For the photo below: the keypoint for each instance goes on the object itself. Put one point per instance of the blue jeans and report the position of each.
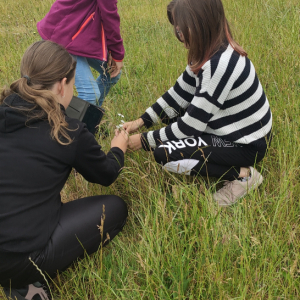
(89, 89)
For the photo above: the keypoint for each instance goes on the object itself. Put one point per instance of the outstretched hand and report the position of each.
(120, 140)
(133, 126)
(135, 142)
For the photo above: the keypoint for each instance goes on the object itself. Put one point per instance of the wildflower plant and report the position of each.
(122, 121)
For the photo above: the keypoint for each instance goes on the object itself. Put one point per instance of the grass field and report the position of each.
(178, 244)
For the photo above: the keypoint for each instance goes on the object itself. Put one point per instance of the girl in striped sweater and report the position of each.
(217, 115)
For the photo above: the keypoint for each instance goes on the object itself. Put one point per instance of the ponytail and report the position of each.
(43, 64)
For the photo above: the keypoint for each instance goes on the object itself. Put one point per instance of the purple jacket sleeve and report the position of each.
(111, 25)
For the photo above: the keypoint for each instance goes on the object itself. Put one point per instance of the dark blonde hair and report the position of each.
(43, 64)
(204, 27)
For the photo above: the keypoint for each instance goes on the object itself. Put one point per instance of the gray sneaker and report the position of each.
(34, 291)
(232, 191)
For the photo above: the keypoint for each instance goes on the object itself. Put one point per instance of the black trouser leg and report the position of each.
(76, 232)
(207, 155)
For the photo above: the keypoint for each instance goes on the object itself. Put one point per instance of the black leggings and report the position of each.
(76, 233)
(208, 155)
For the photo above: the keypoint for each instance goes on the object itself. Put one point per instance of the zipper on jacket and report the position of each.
(104, 50)
(83, 25)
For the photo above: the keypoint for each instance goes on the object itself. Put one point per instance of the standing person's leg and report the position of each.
(212, 156)
(77, 233)
(85, 83)
(104, 81)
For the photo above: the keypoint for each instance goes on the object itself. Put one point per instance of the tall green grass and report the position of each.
(178, 244)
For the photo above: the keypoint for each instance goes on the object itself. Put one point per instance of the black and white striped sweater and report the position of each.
(225, 99)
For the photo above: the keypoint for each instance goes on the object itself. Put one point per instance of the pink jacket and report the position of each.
(88, 28)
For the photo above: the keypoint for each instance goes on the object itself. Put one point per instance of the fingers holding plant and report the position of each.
(123, 141)
(124, 129)
(133, 126)
(135, 142)
(120, 140)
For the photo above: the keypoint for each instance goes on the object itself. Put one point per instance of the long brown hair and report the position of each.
(43, 64)
(204, 27)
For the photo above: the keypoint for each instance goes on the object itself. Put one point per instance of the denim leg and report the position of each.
(104, 81)
(85, 82)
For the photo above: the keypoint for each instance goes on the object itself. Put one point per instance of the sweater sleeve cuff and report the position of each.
(117, 60)
(117, 56)
(147, 120)
(118, 155)
(145, 143)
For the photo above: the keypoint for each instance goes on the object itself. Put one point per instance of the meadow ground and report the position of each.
(178, 244)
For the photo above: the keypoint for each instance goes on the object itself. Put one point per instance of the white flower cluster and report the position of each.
(122, 121)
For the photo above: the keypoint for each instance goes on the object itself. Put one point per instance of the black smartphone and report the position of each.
(85, 112)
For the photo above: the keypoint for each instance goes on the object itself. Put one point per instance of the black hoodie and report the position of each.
(34, 169)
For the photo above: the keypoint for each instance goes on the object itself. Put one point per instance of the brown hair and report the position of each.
(43, 64)
(169, 11)
(204, 27)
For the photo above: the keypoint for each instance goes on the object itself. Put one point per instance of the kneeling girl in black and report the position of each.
(39, 146)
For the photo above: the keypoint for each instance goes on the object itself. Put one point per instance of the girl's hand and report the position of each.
(115, 68)
(135, 142)
(120, 140)
(133, 126)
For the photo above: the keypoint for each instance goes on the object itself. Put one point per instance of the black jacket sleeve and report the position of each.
(93, 164)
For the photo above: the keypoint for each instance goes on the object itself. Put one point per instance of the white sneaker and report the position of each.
(232, 191)
(35, 291)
